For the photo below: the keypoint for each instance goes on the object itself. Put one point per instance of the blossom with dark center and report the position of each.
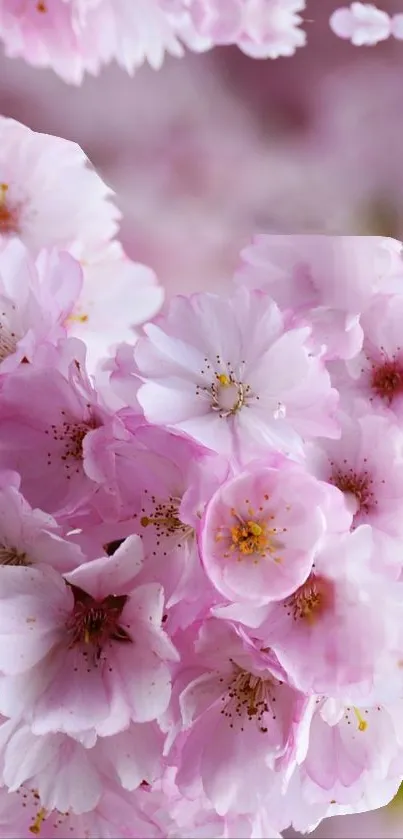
(95, 622)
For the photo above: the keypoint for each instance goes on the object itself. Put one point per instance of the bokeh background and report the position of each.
(216, 147)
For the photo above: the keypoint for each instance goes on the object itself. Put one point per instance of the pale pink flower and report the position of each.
(231, 375)
(71, 775)
(361, 23)
(22, 815)
(117, 295)
(375, 375)
(91, 654)
(271, 28)
(31, 537)
(366, 464)
(49, 196)
(33, 296)
(352, 752)
(239, 718)
(137, 32)
(47, 421)
(326, 280)
(261, 532)
(330, 635)
(165, 482)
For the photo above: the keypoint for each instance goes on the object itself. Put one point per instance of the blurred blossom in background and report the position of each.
(218, 146)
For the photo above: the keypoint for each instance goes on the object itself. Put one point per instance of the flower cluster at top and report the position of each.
(75, 37)
(201, 531)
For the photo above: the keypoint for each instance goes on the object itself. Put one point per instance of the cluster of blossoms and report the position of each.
(201, 621)
(75, 37)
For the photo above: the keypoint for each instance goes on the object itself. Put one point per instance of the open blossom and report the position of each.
(239, 718)
(47, 422)
(72, 774)
(366, 465)
(33, 295)
(375, 374)
(93, 654)
(352, 749)
(31, 537)
(97, 315)
(22, 815)
(361, 23)
(328, 635)
(49, 196)
(165, 482)
(232, 376)
(329, 280)
(261, 532)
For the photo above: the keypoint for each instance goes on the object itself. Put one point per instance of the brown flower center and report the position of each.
(387, 380)
(95, 622)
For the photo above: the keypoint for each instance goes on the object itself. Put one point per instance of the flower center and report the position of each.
(8, 215)
(165, 519)
(70, 434)
(253, 536)
(95, 622)
(387, 380)
(357, 485)
(227, 394)
(10, 556)
(309, 601)
(249, 698)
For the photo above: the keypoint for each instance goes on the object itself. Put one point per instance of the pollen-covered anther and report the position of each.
(252, 537)
(362, 724)
(310, 601)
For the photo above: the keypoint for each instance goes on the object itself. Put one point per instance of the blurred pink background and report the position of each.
(216, 147)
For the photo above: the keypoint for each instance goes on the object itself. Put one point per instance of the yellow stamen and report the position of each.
(223, 380)
(75, 318)
(362, 724)
(87, 636)
(37, 823)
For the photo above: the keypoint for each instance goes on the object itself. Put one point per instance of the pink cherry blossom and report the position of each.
(71, 775)
(261, 532)
(238, 718)
(328, 280)
(30, 537)
(327, 635)
(49, 196)
(375, 375)
(232, 376)
(32, 294)
(349, 748)
(52, 417)
(92, 654)
(366, 465)
(98, 317)
(361, 23)
(48, 33)
(22, 815)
